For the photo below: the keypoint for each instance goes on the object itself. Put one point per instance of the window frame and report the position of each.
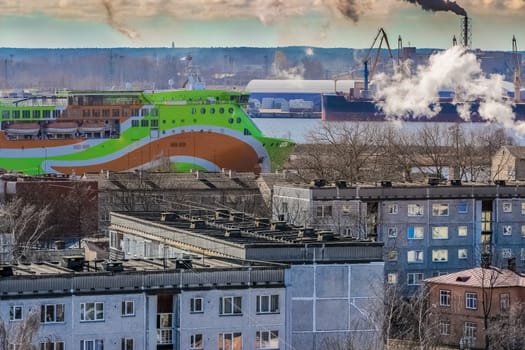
(392, 232)
(440, 209)
(444, 327)
(506, 230)
(415, 209)
(232, 335)
(96, 344)
(471, 300)
(391, 278)
(445, 296)
(54, 307)
(462, 256)
(125, 310)
(15, 310)
(57, 345)
(194, 342)
(267, 304)
(85, 311)
(392, 209)
(436, 255)
(506, 206)
(439, 232)
(462, 207)
(235, 310)
(416, 281)
(415, 232)
(271, 337)
(462, 231)
(125, 343)
(418, 256)
(194, 302)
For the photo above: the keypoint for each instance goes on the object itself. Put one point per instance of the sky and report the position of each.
(257, 23)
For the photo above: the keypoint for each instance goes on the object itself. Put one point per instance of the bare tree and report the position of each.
(20, 333)
(27, 223)
(507, 330)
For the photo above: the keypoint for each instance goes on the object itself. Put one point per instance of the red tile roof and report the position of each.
(481, 277)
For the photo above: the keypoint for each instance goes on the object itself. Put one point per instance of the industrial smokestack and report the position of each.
(440, 5)
(466, 32)
(454, 41)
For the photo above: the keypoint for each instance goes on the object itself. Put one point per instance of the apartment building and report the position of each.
(427, 229)
(332, 283)
(467, 303)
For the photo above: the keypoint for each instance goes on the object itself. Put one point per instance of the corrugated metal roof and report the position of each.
(481, 277)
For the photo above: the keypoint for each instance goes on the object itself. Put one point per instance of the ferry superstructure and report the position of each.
(90, 131)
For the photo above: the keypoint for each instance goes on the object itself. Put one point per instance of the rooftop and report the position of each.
(482, 278)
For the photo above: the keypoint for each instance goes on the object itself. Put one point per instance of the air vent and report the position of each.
(75, 263)
(232, 232)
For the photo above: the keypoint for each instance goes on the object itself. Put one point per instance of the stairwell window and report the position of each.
(507, 206)
(230, 306)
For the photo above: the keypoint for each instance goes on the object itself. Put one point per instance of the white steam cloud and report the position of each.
(455, 69)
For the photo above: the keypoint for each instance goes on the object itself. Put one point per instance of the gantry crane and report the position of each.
(368, 75)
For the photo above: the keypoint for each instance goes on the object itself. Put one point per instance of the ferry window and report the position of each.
(238, 120)
(46, 114)
(26, 114)
(86, 113)
(125, 112)
(163, 121)
(115, 113)
(5, 114)
(154, 123)
(145, 112)
(16, 114)
(56, 113)
(96, 113)
(36, 114)
(135, 112)
(221, 110)
(247, 132)
(144, 122)
(212, 110)
(134, 123)
(230, 121)
(105, 113)
(230, 110)
(203, 110)
(193, 110)
(154, 112)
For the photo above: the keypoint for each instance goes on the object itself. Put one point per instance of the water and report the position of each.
(297, 129)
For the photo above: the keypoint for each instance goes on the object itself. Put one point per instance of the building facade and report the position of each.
(427, 230)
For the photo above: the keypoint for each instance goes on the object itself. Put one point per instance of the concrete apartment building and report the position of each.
(331, 282)
(427, 229)
(202, 280)
(461, 303)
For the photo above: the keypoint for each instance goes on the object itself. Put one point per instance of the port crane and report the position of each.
(381, 35)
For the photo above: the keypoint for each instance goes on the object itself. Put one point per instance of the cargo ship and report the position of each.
(343, 107)
(69, 132)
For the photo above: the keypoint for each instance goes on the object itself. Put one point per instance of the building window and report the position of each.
(523, 231)
(164, 328)
(126, 344)
(230, 306)
(415, 232)
(392, 209)
(392, 278)
(507, 206)
(51, 345)
(230, 341)
(444, 327)
(267, 304)
(506, 253)
(91, 311)
(522, 208)
(15, 313)
(51, 313)
(392, 255)
(128, 308)
(267, 339)
(414, 279)
(196, 342)
(504, 302)
(415, 210)
(471, 301)
(462, 231)
(444, 297)
(92, 344)
(440, 232)
(507, 230)
(415, 256)
(439, 209)
(134, 123)
(439, 255)
(522, 255)
(462, 207)
(322, 211)
(462, 253)
(392, 232)
(470, 330)
(196, 305)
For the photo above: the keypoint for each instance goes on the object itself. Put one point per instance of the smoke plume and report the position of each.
(440, 5)
(455, 69)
